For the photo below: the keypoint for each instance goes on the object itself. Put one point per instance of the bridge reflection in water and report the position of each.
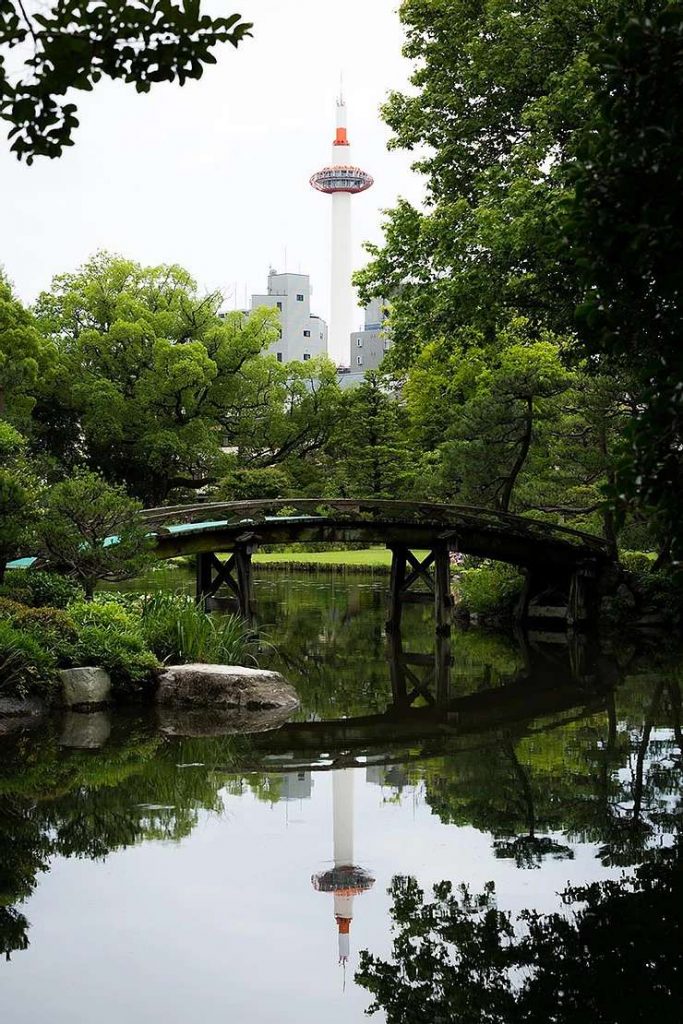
(563, 678)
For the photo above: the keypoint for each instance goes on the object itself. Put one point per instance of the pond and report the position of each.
(149, 877)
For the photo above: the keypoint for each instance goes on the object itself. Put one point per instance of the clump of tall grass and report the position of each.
(180, 631)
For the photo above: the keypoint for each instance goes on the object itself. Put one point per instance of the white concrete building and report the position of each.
(295, 785)
(369, 346)
(303, 335)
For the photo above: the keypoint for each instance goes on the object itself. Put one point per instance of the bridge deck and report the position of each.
(196, 529)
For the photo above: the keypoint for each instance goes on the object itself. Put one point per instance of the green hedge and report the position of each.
(40, 589)
(26, 667)
(492, 589)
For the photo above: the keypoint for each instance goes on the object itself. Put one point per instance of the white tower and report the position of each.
(345, 879)
(341, 180)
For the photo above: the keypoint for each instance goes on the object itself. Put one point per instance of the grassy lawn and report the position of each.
(371, 557)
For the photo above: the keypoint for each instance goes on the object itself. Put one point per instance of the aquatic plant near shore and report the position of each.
(178, 630)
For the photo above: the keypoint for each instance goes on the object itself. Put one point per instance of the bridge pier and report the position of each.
(583, 603)
(569, 599)
(419, 675)
(408, 572)
(235, 574)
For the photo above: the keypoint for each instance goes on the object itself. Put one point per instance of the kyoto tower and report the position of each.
(341, 180)
(345, 880)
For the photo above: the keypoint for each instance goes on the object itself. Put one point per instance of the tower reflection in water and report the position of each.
(345, 879)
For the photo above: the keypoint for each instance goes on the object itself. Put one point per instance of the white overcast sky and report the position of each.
(214, 176)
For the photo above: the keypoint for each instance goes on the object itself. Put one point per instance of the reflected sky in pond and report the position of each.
(160, 878)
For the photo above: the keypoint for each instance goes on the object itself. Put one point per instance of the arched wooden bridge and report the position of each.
(564, 568)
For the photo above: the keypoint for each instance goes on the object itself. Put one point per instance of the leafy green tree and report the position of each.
(506, 405)
(369, 447)
(499, 89)
(242, 484)
(91, 529)
(152, 383)
(625, 229)
(289, 412)
(24, 357)
(68, 44)
(500, 94)
(19, 490)
(507, 424)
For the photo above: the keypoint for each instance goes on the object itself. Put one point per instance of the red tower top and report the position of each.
(341, 175)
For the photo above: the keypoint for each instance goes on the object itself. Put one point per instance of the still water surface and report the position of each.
(148, 877)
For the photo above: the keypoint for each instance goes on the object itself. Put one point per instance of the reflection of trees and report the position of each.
(613, 780)
(24, 851)
(88, 804)
(527, 849)
(612, 958)
(330, 642)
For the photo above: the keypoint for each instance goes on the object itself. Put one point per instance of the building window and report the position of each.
(279, 306)
(387, 346)
(307, 334)
(299, 297)
(307, 356)
(279, 356)
(359, 360)
(359, 342)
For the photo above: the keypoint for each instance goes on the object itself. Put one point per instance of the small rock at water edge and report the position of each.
(85, 686)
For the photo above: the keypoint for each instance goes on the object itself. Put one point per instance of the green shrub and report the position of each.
(492, 589)
(179, 631)
(659, 593)
(637, 561)
(10, 608)
(25, 666)
(40, 589)
(111, 636)
(52, 628)
(252, 484)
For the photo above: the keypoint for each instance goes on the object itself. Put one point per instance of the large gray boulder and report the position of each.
(83, 687)
(222, 687)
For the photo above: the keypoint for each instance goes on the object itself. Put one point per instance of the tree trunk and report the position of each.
(506, 495)
(608, 525)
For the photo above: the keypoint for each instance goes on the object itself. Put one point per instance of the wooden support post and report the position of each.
(443, 601)
(235, 573)
(244, 580)
(522, 607)
(442, 670)
(203, 577)
(582, 604)
(399, 692)
(396, 584)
